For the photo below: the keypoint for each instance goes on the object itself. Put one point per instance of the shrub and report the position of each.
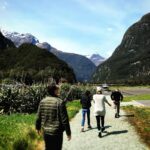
(25, 99)
(21, 144)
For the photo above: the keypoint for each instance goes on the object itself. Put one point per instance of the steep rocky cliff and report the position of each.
(130, 62)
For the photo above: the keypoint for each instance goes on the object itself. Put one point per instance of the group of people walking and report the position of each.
(52, 118)
(99, 101)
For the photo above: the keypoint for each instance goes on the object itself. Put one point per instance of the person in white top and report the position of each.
(99, 109)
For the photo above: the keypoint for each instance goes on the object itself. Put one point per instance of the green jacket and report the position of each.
(52, 116)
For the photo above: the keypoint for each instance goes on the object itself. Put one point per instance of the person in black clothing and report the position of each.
(52, 119)
(116, 96)
(86, 104)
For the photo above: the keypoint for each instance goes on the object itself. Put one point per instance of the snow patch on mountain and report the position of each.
(44, 45)
(96, 59)
(18, 39)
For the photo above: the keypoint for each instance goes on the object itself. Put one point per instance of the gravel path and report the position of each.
(120, 134)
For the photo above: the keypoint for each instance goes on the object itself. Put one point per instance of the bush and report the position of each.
(8, 81)
(32, 135)
(21, 144)
(21, 99)
(25, 99)
(71, 92)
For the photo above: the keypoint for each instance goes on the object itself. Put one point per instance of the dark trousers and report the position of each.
(100, 119)
(53, 142)
(84, 112)
(117, 104)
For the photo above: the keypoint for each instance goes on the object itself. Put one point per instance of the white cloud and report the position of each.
(109, 29)
(4, 5)
(84, 28)
(108, 9)
(66, 45)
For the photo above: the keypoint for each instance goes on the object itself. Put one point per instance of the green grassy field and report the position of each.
(128, 87)
(73, 108)
(141, 121)
(17, 131)
(137, 97)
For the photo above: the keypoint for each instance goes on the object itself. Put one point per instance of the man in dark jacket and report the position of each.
(116, 96)
(52, 120)
(86, 104)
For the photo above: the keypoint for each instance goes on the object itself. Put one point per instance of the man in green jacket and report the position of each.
(52, 119)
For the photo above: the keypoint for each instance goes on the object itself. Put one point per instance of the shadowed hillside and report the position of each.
(130, 62)
(29, 60)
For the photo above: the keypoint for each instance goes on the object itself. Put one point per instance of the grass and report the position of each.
(73, 108)
(137, 97)
(128, 87)
(141, 121)
(17, 130)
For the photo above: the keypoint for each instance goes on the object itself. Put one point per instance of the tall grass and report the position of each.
(141, 121)
(17, 130)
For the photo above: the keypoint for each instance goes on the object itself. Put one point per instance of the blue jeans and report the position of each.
(84, 112)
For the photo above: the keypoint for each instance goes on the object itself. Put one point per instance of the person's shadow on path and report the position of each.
(108, 126)
(114, 132)
(131, 115)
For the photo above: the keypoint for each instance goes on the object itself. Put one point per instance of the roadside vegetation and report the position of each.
(25, 99)
(125, 87)
(17, 131)
(18, 107)
(141, 121)
(137, 97)
(73, 108)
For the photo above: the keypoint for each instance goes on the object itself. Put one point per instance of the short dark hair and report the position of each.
(87, 93)
(51, 90)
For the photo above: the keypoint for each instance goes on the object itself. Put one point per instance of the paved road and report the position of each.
(120, 135)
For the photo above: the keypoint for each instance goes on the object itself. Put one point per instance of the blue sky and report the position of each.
(78, 26)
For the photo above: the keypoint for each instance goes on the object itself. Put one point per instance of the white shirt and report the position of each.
(99, 104)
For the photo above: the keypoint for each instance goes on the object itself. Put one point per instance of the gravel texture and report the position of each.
(119, 134)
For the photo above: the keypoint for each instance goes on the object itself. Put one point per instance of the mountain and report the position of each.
(96, 59)
(81, 65)
(30, 60)
(19, 39)
(5, 43)
(130, 62)
(44, 45)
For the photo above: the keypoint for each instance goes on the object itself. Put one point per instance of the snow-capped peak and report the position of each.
(18, 39)
(96, 59)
